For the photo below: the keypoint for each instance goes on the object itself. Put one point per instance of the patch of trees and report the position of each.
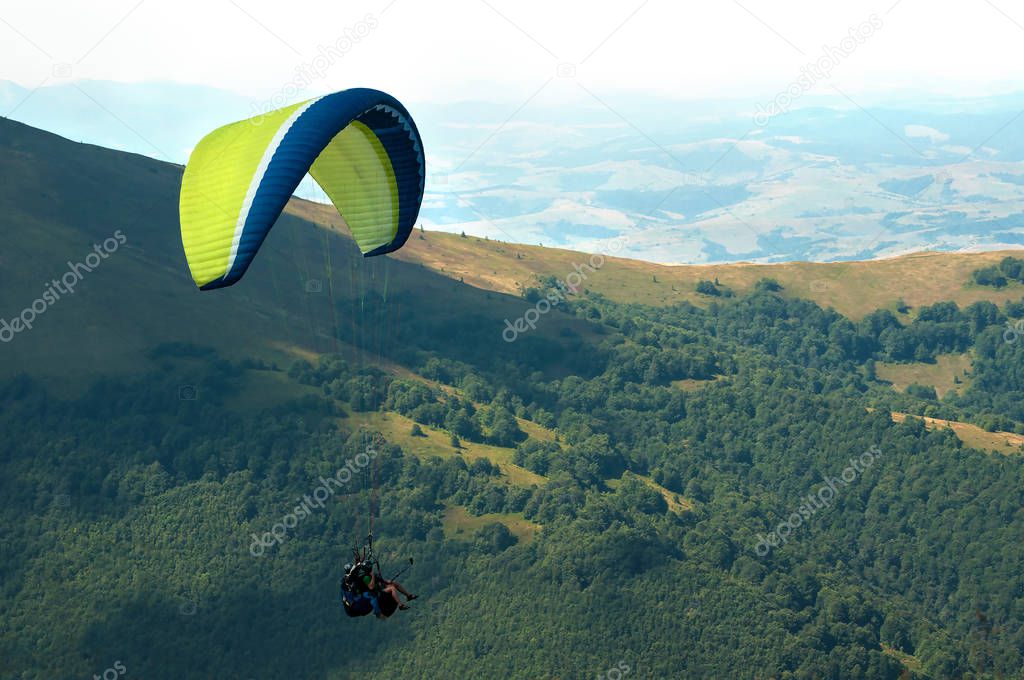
(998, 276)
(713, 288)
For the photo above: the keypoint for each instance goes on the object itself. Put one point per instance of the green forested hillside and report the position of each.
(151, 431)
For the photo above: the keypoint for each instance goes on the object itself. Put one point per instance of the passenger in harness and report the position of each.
(357, 595)
(364, 590)
(387, 600)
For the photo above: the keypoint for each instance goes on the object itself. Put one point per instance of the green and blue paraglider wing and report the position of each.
(360, 145)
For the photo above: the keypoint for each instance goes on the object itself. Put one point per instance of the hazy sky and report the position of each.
(431, 50)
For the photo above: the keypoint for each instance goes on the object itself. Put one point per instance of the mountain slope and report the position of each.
(271, 313)
(597, 491)
(852, 288)
(307, 289)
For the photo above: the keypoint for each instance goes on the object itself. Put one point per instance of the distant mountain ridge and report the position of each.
(679, 182)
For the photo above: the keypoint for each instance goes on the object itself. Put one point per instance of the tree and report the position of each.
(989, 276)
(1012, 267)
(707, 288)
(922, 391)
(500, 426)
(494, 538)
(768, 285)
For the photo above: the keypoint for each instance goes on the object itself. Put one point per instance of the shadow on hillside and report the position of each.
(252, 630)
(386, 307)
(307, 290)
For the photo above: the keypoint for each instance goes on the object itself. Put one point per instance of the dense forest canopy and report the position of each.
(130, 510)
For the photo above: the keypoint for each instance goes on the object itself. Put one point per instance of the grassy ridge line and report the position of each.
(852, 288)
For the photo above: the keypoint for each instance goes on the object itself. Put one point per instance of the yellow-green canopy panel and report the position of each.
(360, 145)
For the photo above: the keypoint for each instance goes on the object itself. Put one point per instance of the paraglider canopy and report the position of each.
(360, 145)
